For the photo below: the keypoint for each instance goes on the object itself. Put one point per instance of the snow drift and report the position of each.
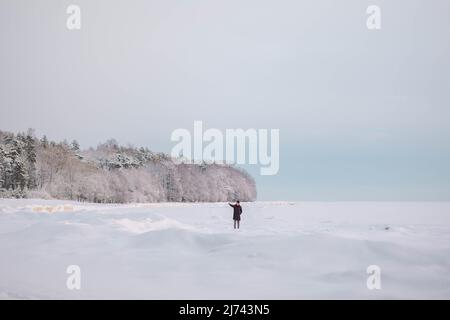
(190, 251)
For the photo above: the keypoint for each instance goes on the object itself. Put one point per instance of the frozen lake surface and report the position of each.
(284, 250)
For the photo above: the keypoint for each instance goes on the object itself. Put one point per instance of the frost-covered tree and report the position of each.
(30, 153)
(112, 173)
(18, 159)
(20, 175)
(2, 169)
(75, 146)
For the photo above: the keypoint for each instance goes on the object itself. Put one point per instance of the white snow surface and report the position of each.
(284, 250)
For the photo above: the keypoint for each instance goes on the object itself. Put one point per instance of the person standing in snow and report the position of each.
(237, 211)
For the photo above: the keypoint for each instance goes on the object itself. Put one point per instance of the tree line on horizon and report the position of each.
(32, 167)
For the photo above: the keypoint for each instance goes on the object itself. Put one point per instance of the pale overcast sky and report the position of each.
(363, 115)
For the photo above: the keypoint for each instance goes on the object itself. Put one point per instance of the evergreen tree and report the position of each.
(6, 167)
(2, 168)
(20, 175)
(9, 139)
(30, 150)
(12, 152)
(75, 146)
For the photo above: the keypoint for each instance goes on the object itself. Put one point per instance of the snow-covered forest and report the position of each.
(32, 167)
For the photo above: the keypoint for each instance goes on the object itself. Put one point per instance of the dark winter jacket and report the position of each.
(237, 211)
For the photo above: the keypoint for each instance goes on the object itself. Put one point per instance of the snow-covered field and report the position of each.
(190, 251)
